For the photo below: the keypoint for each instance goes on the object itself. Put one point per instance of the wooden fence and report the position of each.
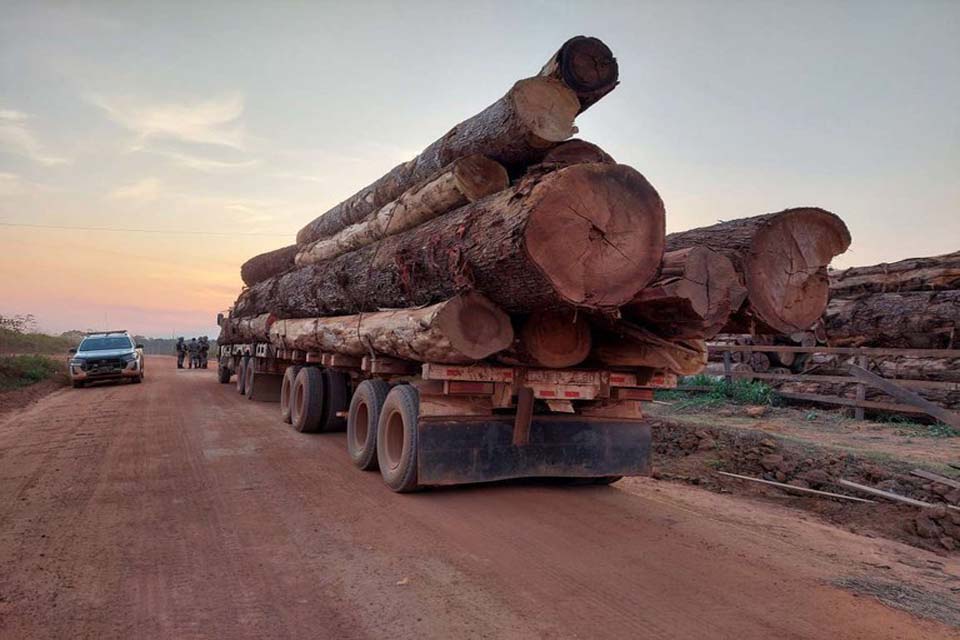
(908, 401)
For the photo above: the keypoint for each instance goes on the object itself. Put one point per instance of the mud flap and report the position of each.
(464, 450)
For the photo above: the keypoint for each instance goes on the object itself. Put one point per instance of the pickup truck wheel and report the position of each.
(286, 392)
(242, 374)
(138, 379)
(223, 375)
(365, 407)
(251, 377)
(397, 439)
(336, 399)
(306, 410)
(78, 384)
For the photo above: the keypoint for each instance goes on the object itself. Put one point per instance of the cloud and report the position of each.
(206, 165)
(9, 184)
(214, 121)
(145, 190)
(17, 137)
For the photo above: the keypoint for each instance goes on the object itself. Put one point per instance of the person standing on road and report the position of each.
(181, 352)
(194, 350)
(204, 351)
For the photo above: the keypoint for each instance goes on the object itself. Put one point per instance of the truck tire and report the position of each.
(365, 407)
(250, 373)
(223, 375)
(336, 399)
(397, 438)
(78, 384)
(242, 374)
(306, 410)
(286, 391)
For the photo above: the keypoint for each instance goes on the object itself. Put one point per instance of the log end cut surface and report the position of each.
(597, 234)
(587, 65)
(475, 326)
(557, 339)
(786, 271)
(479, 176)
(546, 107)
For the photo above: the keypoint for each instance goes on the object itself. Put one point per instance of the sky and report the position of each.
(201, 134)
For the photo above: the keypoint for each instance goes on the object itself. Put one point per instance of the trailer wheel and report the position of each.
(397, 438)
(306, 409)
(286, 392)
(242, 374)
(336, 399)
(223, 374)
(251, 375)
(362, 422)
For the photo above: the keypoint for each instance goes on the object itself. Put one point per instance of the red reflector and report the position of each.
(462, 387)
(548, 392)
(571, 394)
(453, 372)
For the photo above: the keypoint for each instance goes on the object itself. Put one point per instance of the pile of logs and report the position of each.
(914, 303)
(507, 241)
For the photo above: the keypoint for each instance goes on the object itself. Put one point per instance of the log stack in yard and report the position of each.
(510, 247)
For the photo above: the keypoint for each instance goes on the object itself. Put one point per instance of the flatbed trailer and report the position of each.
(427, 424)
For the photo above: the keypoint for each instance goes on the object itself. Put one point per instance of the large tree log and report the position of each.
(555, 339)
(935, 273)
(587, 236)
(462, 181)
(463, 329)
(905, 367)
(536, 114)
(269, 264)
(693, 296)
(248, 329)
(684, 358)
(587, 66)
(915, 319)
(782, 259)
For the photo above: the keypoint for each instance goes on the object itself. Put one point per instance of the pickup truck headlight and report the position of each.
(76, 363)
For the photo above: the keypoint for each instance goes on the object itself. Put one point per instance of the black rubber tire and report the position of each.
(362, 420)
(223, 375)
(250, 373)
(306, 411)
(397, 439)
(78, 384)
(336, 399)
(242, 375)
(138, 379)
(603, 480)
(286, 391)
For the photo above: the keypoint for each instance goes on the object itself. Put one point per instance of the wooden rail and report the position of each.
(899, 389)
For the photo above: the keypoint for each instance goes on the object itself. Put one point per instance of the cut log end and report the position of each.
(556, 339)
(478, 176)
(597, 234)
(587, 65)
(576, 151)
(790, 295)
(547, 108)
(475, 326)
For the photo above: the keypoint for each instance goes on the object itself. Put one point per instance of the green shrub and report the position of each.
(738, 391)
(20, 371)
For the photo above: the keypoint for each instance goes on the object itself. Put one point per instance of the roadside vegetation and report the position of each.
(708, 391)
(21, 371)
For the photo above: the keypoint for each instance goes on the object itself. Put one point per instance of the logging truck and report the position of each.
(427, 424)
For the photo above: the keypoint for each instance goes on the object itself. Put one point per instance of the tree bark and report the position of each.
(692, 298)
(935, 273)
(516, 130)
(463, 329)
(905, 367)
(269, 264)
(462, 181)
(234, 330)
(587, 66)
(915, 319)
(587, 236)
(781, 259)
(553, 339)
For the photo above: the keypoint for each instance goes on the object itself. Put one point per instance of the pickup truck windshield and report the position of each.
(104, 344)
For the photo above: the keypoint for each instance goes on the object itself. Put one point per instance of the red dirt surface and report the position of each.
(179, 509)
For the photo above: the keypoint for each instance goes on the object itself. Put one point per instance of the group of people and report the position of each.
(197, 351)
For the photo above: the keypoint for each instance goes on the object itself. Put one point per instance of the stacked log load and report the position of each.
(507, 241)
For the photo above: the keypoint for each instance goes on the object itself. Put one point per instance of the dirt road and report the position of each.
(179, 509)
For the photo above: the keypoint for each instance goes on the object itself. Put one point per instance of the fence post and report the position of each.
(727, 367)
(861, 388)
